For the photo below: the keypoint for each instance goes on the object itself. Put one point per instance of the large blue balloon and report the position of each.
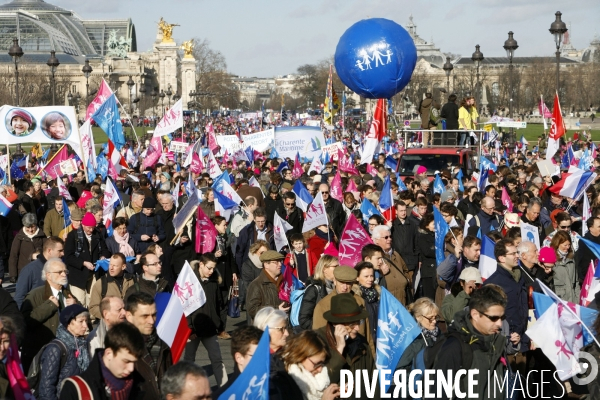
(375, 58)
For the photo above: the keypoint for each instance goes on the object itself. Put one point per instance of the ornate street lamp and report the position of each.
(130, 83)
(16, 52)
(53, 63)
(153, 95)
(448, 67)
(477, 58)
(87, 71)
(169, 94)
(162, 101)
(558, 28)
(510, 45)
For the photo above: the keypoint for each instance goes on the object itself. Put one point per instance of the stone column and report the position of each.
(167, 66)
(188, 79)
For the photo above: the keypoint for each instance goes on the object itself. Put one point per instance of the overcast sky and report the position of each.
(266, 38)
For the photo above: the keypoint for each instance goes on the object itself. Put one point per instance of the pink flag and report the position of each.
(351, 186)
(206, 234)
(345, 165)
(506, 200)
(330, 250)
(196, 167)
(335, 190)
(62, 189)
(51, 168)
(297, 171)
(354, 238)
(225, 157)
(287, 285)
(212, 140)
(371, 170)
(104, 92)
(544, 111)
(14, 370)
(258, 155)
(587, 285)
(153, 153)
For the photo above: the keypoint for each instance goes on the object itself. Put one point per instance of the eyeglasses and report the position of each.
(153, 264)
(280, 329)
(431, 319)
(324, 192)
(210, 269)
(316, 365)
(63, 272)
(373, 224)
(354, 323)
(512, 254)
(289, 204)
(386, 237)
(493, 318)
(564, 226)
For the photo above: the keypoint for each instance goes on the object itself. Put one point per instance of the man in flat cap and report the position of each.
(264, 290)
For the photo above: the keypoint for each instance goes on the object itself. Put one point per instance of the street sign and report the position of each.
(406, 122)
(512, 124)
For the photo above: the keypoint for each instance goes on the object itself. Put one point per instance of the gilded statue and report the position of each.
(188, 48)
(167, 30)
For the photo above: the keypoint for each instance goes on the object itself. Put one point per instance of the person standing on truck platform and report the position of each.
(450, 114)
(424, 109)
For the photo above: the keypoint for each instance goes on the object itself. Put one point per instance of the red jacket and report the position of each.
(310, 261)
(317, 247)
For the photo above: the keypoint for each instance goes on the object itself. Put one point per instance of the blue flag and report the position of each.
(108, 118)
(385, 200)
(325, 157)
(224, 201)
(401, 186)
(46, 154)
(300, 190)
(441, 229)
(250, 154)
(459, 176)
(3, 177)
(368, 210)
(394, 322)
(274, 154)
(391, 163)
(102, 166)
(483, 175)
(282, 166)
(91, 172)
(66, 213)
(438, 185)
(487, 164)
(15, 170)
(218, 182)
(253, 383)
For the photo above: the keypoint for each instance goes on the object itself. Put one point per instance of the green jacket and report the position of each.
(53, 223)
(453, 304)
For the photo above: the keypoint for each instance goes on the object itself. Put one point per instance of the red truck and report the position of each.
(436, 159)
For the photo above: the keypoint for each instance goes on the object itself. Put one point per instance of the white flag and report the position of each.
(189, 290)
(213, 167)
(587, 214)
(111, 197)
(230, 193)
(254, 183)
(547, 334)
(316, 215)
(316, 165)
(62, 189)
(87, 144)
(280, 227)
(172, 120)
(366, 157)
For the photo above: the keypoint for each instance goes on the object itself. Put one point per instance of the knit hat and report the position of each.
(71, 312)
(149, 202)
(21, 113)
(421, 170)
(547, 255)
(88, 219)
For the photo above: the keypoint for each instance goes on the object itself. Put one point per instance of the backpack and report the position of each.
(139, 219)
(426, 357)
(35, 369)
(434, 115)
(296, 300)
(83, 389)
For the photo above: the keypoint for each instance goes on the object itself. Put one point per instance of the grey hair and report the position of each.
(533, 201)
(525, 246)
(29, 219)
(168, 196)
(49, 263)
(250, 200)
(94, 208)
(424, 181)
(269, 316)
(173, 381)
(378, 231)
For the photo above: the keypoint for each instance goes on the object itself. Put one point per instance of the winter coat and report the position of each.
(250, 271)
(113, 247)
(261, 293)
(487, 351)
(153, 377)
(336, 216)
(449, 270)
(141, 224)
(317, 244)
(29, 278)
(411, 352)
(315, 291)
(204, 322)
(487, 223)
(151, 287)
(450, 114)
(96, 338)
(112, 289)
(517, 307)
(41, 318)
(209, 208)
(93, 377)
(248, 235)
(452, 304)
(425, 244)
(271, 205)
(397, 280)
(52, 375)
(78, 274)
(53, 223)
(167, 223)
(466, 206)
(565, 279)
(8, 308)
(309, 261)
(295, 219)
(225, 264)
(22, 249)
(403, 241)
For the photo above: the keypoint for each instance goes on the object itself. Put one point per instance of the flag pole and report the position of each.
(49, 161)
(8, 172)
(129, 119)
(85, 170)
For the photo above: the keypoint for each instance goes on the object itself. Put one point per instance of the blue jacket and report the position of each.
(487, 223)
(30, 278)
(140, 224)
(517, 308)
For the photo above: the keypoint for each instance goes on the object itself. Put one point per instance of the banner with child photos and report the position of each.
(55, 124)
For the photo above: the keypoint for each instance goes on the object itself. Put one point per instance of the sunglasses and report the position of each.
(564, 226)
(493, 318)
(324, 192)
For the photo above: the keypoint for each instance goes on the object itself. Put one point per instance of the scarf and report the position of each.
(31, 236)
(311, 386)
(255, 260)
(516, 274)
(124, 246)
(369, 294)
(76, 344)
(431, 335)
(152, 349)
(328, 286)
(119, 389)
(562, 254)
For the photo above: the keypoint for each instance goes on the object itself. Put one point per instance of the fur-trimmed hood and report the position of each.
(216, 276)
(356, 289)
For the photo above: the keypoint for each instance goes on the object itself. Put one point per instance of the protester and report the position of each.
(318, 286)
(185, 380)
(115, 283)
(425, 313)
(26, 246)
(112, 311)
(264, 290)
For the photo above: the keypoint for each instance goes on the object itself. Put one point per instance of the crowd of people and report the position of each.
(82, 327)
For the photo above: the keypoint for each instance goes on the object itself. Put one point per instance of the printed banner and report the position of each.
(260, 141)
(305, 140)
(56, 124)
(172, 120)
(186, 212)
(333, 149)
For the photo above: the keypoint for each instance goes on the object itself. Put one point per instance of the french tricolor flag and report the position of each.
(5, 206)
(187, 297)
(487, 260)
(573, 183)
